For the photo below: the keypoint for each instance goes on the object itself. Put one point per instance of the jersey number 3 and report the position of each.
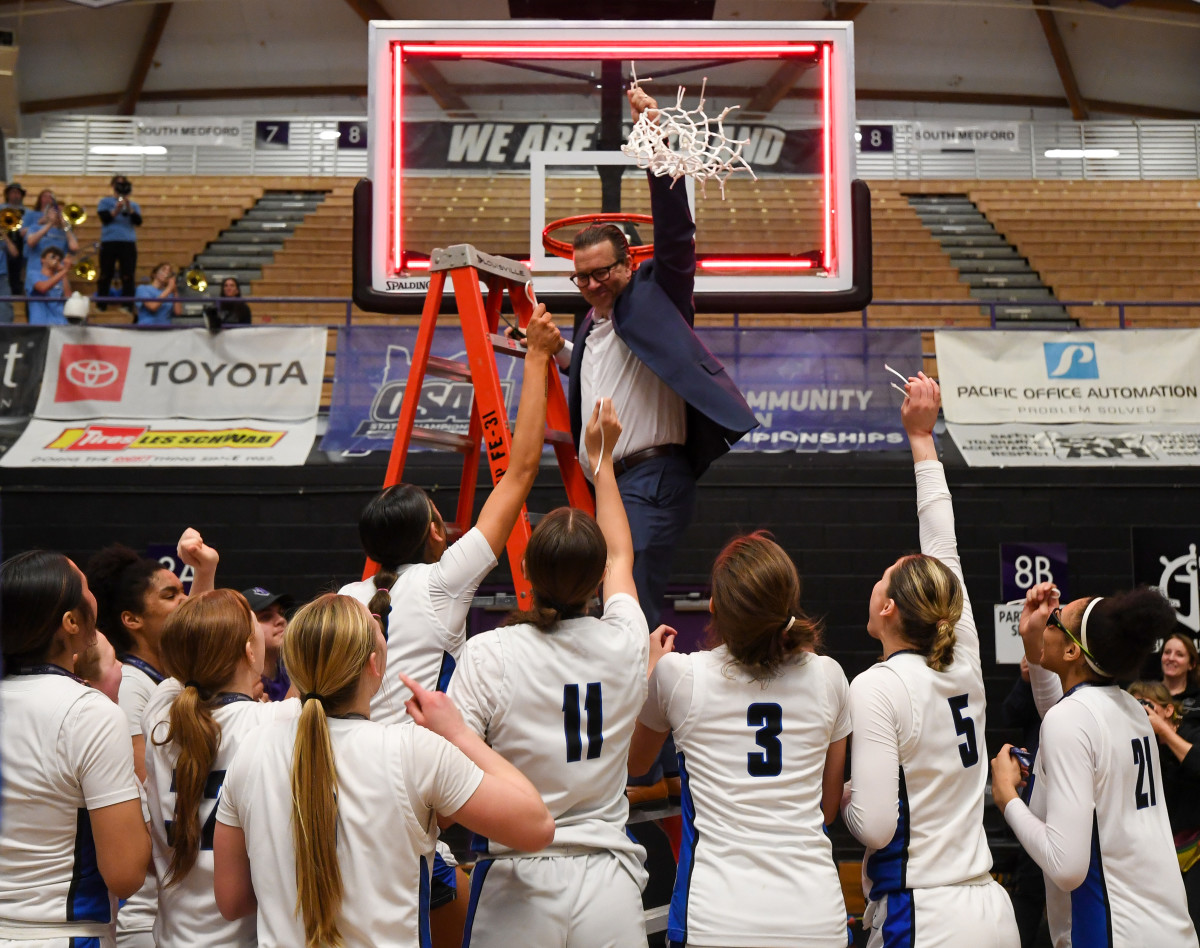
(593, 707)
(768, 718)
(968, 750)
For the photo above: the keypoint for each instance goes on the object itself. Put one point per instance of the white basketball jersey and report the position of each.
(427, 627)
(755, 866)
(187, 911)
(1097, 788)
(392, 781)
(918, 761)
(137, 687)
(65, 750)
(561, 706)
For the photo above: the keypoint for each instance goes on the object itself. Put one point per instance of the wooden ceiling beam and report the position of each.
(438, 89)
(1062, 62)
(145, 58)
(369, 10)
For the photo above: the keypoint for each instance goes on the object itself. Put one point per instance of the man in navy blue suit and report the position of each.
(679, 409)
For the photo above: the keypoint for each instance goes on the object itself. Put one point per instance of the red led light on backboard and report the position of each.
(683, 50)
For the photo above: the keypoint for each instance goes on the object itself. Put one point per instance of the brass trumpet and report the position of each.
(85, 270)
(11, 219)
(195, 280)
(73, 215)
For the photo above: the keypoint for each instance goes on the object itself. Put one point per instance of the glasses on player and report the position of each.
(600, 274)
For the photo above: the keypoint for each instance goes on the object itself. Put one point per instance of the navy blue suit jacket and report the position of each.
(654, 317)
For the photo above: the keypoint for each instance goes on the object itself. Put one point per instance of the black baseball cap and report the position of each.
(260, 599)
(14, 185)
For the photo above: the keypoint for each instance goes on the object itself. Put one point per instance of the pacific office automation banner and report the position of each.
(186, 398)
(1128, 397)
(812, 392)
(507, 145)
(22, 359)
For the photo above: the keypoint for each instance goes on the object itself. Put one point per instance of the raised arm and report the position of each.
(601, 435)
(674, 230)
(201, 557)
(503, 506)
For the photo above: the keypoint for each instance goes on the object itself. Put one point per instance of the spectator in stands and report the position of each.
(151, 308)
(1181, 670)
(10, 250)
(230, 310)
(270, 612)
(14, 200)
(119, 217)
(44, 227)
(46, 281)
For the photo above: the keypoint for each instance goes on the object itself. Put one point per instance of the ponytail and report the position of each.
(329, 642)
(203, 642)
(196, 733)
(930, 599)
(314, 782)
(381, 600)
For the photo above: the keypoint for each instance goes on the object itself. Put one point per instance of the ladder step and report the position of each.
(555, 436)
(448, 369)
(446, 440)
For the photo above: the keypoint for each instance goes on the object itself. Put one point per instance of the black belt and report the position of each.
(630, 461)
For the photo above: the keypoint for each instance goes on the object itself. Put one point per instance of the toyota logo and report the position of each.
(92, 373)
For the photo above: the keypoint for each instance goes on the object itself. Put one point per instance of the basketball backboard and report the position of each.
(486, 132)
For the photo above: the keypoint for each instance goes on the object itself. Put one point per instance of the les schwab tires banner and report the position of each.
(177, 398)
(1037, 399)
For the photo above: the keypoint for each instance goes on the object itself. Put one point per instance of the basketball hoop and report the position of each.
(560, 248)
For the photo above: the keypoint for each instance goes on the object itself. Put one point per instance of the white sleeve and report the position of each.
(235, 778)
(622, 610)
(478, 682)
(132, 695)
(453, 581)
(1047, 688)
(437, 775)
(878, 701)
(839, 689)
(669, 697)
(935, 514)
(97, 750)
(1062, 844)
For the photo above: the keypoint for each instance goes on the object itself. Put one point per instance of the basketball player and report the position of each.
(72, 838)
(431, 585)
(135, 595)
(326, 823)
(557, 692)
(760, 725)
(214, 649)
(918, 767)
(1096, 820)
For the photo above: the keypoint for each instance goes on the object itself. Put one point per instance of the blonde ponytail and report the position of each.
(929, 598)
(328, 643)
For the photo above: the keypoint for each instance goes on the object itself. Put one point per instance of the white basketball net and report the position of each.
(700, 151)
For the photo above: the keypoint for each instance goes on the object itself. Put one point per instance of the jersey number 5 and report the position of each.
(968, 750)
(593, 706)
(1145, 765)
(768, 718)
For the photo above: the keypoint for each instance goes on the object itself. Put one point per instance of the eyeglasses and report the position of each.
(600, 274)
(1055, 620)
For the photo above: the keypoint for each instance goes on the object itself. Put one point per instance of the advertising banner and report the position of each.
(821, 391)
(966, 136)
(1032, 399)
(507, 145)
(1145, 376)
(184, 397)
(22, 360)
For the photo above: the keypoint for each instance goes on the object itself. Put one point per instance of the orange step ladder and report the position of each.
(488, 428)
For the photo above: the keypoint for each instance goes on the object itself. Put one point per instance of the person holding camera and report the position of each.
(119, 216)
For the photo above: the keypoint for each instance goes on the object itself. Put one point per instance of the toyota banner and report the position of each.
(113, 397)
